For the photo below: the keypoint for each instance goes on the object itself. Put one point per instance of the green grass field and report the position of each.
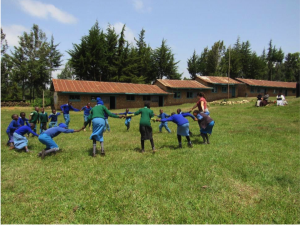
(249, 174)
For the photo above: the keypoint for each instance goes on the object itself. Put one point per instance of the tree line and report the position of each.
(271, 65)
(104, 55)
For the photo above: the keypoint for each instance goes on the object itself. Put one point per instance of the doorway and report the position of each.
(112, 102)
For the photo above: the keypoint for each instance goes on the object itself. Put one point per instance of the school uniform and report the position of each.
(127, 120)
(34, 119)
(163, 124)
(43, 121)
(66, 110)
(22, 121)
(53, 117)
(145, 125)
(181, 122)
(205, 123)
(20, 141)
(86, 112)
(13, 125)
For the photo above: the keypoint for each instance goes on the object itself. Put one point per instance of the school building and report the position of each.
(252, 87)
(115, 95)
(183, 91)
(219, 87)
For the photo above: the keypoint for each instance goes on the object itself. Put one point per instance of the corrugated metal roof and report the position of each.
(266, 83)
(218, 80)
(192, 84)
(79, 86)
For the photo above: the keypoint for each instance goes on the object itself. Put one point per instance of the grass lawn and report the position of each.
(249, 174)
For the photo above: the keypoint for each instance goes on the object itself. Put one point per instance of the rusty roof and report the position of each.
(79, 86)
(182, 84)
(266, 83)
(218, 80)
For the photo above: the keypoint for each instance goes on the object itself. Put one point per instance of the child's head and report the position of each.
(196, 112)
(31, 125)
(127, 110)
(22, 114)
(201, 94)
(147, 104)
(70, 103)
(88, 104)
(161, 111)
(53, 111)
(37, 109)
(42, 109)
(14, 117)
(178, 111)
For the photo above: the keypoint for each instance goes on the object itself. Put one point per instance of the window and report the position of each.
(224, 89)
(146, 98)
(214, 90)
(259, 90)
(176, 95)
(74, 98)
(252, 90)
(189, 95)
(130, 97)
(274, 91)
(293, 91)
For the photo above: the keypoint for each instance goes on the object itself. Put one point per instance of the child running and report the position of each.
(182, 126)
(128, 119)
(53, 117)
(86, 112)
(206, 125)
(43, 116)
(163, 115)
(65, 108)
(98, 120)
(34, 117)
(20, 141)
(47, 138)
(180, 112)
(145, 125)
(13, 125)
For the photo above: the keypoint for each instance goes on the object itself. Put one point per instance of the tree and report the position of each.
(292, 67)
(193, 67)
(67, 72)
(202, 62)
(214, 57)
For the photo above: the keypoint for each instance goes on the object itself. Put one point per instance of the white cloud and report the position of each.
(12, 34)
(141, 6)
(129, 34)
(42, 10)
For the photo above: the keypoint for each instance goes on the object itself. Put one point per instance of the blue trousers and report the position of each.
(164, 124)
(48, 141)
(107, 125)
(52, 124)
(67, 119)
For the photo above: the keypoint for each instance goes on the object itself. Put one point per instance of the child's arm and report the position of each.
(74, 109)
(188, 115)
(30, 131)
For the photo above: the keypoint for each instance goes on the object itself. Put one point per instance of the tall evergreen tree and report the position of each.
(292, 67)
(193, 67)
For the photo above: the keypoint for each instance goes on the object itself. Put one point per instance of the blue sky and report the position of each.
(187, 25)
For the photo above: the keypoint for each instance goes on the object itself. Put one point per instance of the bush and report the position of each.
(39, 102)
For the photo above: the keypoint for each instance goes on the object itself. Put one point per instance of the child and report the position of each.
(86, 113)
(128, 119)
(206, 125)
(65, 108)
(34, 117)
(22, 120)
(47, 138)
(163, 115)
(145, 125)
(180, 112)
(182, 126)
(107, 127)
(43, 116)
(53, 116)
(20, 141)
(13, 125)
(98, 120)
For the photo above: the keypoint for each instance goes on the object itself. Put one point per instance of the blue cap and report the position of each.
(62, 125)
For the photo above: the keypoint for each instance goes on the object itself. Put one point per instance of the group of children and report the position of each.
(98, 117)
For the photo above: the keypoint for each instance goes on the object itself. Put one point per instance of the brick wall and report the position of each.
(246, 91)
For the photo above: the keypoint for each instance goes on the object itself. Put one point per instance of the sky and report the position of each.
(187, 25)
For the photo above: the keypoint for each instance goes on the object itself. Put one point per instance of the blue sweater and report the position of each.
(178, 119)
(22, 122)
(66, 108)
(125, 113)
(25, 129)
(86, 110)
(54, 116)
(163, 115)
(55, 131)
(13, 125)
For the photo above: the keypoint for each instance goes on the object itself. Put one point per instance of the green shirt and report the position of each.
(146, 115)
(98, 112)
(34, 117)
(43, 117)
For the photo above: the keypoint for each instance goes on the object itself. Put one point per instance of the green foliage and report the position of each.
(248, 174)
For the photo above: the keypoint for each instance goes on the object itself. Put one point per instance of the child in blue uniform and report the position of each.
(180, 112)
(53, 117)
(65, 108)
(22, 120)
(206, 124)
(47, 138)
(86, 113)
(127, 120)
(20, 141)
(182, 126)
(13, 125)
(163, 115)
